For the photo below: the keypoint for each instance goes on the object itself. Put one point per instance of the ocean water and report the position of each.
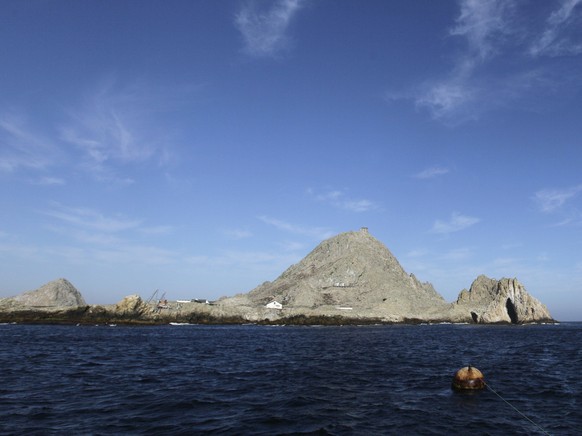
(289, 380)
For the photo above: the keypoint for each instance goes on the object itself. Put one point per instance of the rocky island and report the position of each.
(351, 278)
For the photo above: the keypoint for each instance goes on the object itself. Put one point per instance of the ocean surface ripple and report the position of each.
(289, 380)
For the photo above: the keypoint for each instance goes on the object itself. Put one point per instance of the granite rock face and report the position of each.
(352, 274)
(58, 293)
(131, 305)
(500, 301)
(351, 278)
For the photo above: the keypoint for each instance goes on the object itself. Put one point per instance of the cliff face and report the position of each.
(500, 301)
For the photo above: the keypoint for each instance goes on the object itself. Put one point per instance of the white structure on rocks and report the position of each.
(274, 305)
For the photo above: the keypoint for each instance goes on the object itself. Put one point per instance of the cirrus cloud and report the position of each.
(457, 223)
(481, 78)
(432, 172)
(265, 32)
(340, 200)
(555, 41)
(550, 200)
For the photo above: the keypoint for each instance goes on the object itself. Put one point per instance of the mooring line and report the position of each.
(517, 410)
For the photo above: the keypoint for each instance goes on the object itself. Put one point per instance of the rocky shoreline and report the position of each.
(350, 279)
(132, 310)
(92, 315)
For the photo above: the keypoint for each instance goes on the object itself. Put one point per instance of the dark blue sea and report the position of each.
(239, 380)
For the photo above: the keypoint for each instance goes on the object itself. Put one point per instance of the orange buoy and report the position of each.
(468, 379)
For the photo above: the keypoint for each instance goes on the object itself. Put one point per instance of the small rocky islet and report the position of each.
(351, 278)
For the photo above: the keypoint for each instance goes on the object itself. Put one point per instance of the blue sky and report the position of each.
(202, 147)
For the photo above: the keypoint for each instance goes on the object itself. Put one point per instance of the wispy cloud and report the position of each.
(454, 254)
(112, 127)
(255, 261)
(22, 147)
(265, 31)
(103, 134)
(419, 252)
(444, 98)
(340, 200)
(88, 237)
(91, 219)
(550, 200)
(315, 232)
(49, 181)
(481, 79)
(457, 223)
(555, 40)
(432, 172)
(457, 254)
(483, 25)
(292, 246)
(107, 239)
(237, 233)
(511, 245)
(156, 230)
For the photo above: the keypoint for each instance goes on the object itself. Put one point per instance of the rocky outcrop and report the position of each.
(352, 275)
(500, 301)
(132, 305)
(351, 278)
(56, 294)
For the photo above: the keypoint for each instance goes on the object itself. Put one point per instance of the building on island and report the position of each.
(274, 305)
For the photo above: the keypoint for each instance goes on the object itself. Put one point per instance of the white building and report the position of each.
(274, 305)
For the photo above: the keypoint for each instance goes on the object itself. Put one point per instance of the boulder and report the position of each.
(131, 305)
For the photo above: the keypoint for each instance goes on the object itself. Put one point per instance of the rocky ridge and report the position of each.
(56, 294)
(352, 274)
(350, 278)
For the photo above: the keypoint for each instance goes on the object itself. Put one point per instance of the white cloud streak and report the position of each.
(50, 181)
(432, 172)
(96, 237)
(237, 233)
(111, 128)
(457, 254)
(480, 78)
(319, 233)
(553, 42)
(445, 98)
(483, 23)
(90, 219)
(550, 200)
(22, 148)
(265, 32)
(102, 136)
(263, 264)
(457, 223)
(339, 200)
